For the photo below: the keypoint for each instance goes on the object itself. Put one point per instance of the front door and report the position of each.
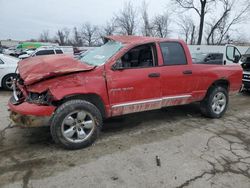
(136, 86)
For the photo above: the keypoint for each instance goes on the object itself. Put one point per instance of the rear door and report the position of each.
(176, 75)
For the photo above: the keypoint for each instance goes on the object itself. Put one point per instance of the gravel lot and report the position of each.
(193, 151)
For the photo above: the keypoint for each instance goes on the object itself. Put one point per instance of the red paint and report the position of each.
(42, 67)
(122, 86)
(32, 109)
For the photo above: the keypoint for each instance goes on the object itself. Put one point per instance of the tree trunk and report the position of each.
(202, 16)
(192, 35)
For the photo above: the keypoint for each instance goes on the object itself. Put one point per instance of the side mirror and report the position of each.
(118, 65)
(236, 59)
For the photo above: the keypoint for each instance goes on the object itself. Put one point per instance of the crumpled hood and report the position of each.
(39, 68)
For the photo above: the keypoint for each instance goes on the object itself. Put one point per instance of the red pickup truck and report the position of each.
(128, 74)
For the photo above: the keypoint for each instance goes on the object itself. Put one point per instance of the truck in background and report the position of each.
(209, 50)
(245, 63)
(34, 45)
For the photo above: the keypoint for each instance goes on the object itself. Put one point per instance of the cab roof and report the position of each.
(137, 39)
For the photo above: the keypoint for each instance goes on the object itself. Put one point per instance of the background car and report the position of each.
(245, 63)
(42, 51)
(27, 53)
(10, 51)
(8, 66)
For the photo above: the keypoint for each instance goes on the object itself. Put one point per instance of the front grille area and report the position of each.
(246, 77)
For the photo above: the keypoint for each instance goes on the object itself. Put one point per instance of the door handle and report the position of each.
(188, 72)
(154, 75)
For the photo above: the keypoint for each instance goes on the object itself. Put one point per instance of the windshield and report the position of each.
(100, 55)
(247, 52)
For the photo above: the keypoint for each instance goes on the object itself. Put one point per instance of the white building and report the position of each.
(9, 43)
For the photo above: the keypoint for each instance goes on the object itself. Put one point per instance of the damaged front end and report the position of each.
(29, 109)
(33, 101)
(26, 121)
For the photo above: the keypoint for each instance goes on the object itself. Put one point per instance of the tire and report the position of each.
(66, 128)
(6, 81)
(215, 103)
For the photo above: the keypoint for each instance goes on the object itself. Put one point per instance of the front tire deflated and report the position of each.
(76, 124)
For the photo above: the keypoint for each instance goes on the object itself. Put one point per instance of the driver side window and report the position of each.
(140, 57)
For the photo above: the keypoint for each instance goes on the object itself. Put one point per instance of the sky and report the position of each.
(27, 19)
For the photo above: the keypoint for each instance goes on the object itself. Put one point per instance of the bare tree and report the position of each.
(187, 29)
(77, 41)
(62, 36)
(109, 28)
(44, 37)
(147, 28)
(241, 39)
(126, 19)
(201, 7)
(218, 29)
(66, 34)
(89, 34)
(161, 25)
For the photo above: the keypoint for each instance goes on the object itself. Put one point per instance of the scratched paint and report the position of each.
(145, 106)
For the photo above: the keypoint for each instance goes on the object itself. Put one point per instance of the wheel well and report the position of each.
(92, 98)
(223, 83)
(6, 76)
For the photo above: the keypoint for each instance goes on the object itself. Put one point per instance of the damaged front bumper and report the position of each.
(30, 115)
(27, 121)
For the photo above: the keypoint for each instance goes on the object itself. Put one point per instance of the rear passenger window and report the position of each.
(59, 52)
(173, 53)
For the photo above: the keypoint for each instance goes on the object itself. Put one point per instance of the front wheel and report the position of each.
(216, 102)
(76, 124)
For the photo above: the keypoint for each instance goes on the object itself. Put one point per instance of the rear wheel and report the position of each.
(7, 81)
(216, 102)
(76, 124)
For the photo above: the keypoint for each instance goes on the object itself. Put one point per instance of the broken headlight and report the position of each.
(44, 98)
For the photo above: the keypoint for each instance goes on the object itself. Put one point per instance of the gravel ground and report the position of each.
(194, 151)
